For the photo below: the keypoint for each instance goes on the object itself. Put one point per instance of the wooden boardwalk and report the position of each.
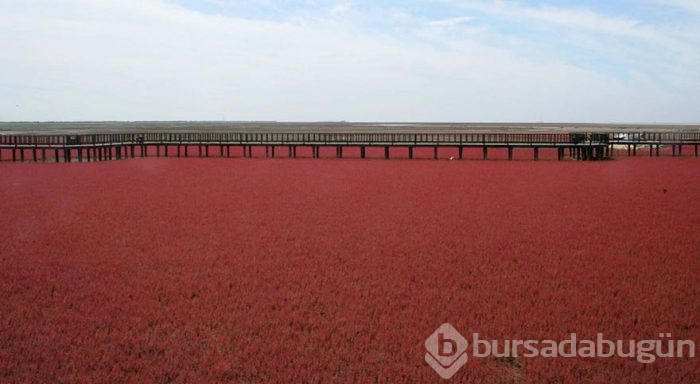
(115, 146)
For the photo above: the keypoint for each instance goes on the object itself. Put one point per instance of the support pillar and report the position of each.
(461, 152)
(510, 153)
(486, 152)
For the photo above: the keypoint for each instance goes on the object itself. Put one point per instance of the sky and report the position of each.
(622, 61)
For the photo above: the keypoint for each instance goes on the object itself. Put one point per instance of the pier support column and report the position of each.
(228, 151)
(34, 154)
(696, 150)
(157, 150)
(658, 149)
(673, 150)
(435, 153)
(186, 151)
(386, 152)
(362, 152)
(267, 151)
(560, 153)
(340, 151)
(21, 154)
(510, 153)
(165, 150)
(634, 149)
(486, 153)
(680, 150)
(43, 155)
(206, 150)
(14, 154)
(537, 153)
(461, 152)
(55, 155)
(272, 151)
(629, 150)
(410, 153)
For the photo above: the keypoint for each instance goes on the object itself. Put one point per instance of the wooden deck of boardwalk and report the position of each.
(111, 141)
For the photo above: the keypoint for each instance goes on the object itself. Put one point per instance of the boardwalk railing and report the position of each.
(582, 146)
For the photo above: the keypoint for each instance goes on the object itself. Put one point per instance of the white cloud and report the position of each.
(692, 6)
(340, 8)
(452, 21)
(139, 60)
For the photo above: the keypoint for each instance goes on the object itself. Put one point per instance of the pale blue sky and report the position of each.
(355, 60)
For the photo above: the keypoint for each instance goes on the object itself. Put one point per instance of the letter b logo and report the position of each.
(446, 351)
(442, 340)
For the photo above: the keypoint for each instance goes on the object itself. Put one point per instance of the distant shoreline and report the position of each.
(93, 127)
